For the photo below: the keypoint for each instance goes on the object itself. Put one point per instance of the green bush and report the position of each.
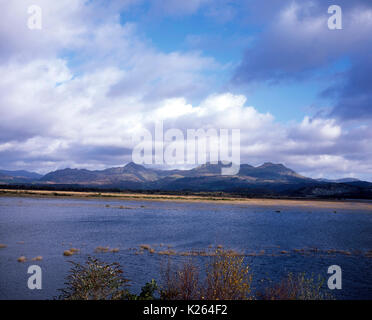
(95, 280)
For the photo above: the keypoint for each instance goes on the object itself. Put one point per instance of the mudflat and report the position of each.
(331, 204)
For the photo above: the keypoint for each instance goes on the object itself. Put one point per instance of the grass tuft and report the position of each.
(22, 259)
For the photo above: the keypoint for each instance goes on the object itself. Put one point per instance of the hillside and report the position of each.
(268, 179)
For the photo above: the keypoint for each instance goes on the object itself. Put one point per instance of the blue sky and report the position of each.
(74, 92)
(226, 42)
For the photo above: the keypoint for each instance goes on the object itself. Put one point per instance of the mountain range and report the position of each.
(268, 179)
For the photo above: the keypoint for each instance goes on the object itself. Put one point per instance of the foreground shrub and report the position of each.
(182, 283)
(226, 278)
(296, 287)
(147, 292)
(95, 280)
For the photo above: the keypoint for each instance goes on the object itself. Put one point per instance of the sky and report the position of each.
(75, 92)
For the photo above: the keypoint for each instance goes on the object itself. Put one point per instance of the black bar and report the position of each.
(157, 309)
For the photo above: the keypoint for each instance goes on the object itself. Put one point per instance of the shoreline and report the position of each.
(318, 203)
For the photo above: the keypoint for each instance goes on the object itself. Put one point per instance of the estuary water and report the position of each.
(276, 240)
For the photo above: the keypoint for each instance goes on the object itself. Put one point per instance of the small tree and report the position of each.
(227, 278)
(95, 280)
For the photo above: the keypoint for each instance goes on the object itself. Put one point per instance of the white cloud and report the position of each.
(74, 94)
(324, 130)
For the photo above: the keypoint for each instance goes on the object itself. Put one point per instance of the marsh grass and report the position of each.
(168, 252)
(22, 259)
(38, 258)
(101, 249)
(67, 253)
(145, 247)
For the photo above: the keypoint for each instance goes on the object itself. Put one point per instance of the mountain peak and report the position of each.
(211, 164)
(277, 167)
(269, 170)
(210, 168)
(132, 165)
(272, 165)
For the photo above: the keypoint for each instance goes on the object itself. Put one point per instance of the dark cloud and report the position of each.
(296, 44)
(354, 97)
(75, 155)
(99, 154)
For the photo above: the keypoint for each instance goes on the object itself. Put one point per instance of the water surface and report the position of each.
(48, 226)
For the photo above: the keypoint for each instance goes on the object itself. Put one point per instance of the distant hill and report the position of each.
(131, 173)
(268, 179)
(18, 176)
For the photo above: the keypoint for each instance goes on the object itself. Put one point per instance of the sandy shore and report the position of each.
(331, 204)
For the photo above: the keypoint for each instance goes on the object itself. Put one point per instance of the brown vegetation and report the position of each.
(101, 249)
(22, 259)
(275, 203)
(38, 258)
(295, 287)
(226, 278)
(67, 253)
